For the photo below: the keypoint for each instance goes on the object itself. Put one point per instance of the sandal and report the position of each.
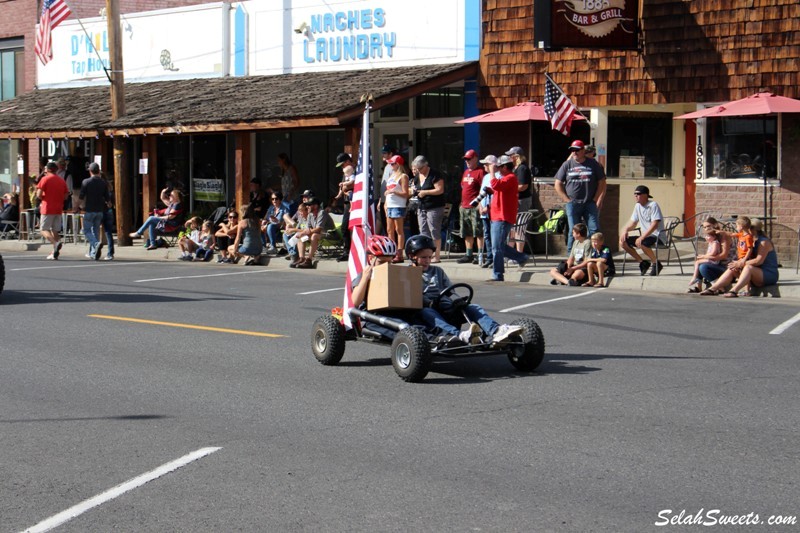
(694, 289)
(731, 294)
(709, 292)
(587, 284)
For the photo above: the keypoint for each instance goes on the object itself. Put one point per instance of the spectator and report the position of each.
(387, 152)
(503, 213)
(745, 243)
(94, 193)
(601, 263)
(431, 202)
(397, 194)
(293, 225)
(205, 250)
(573, 270)
(524, 188)
(714, 240)
(319, 224)
(290, 181)
(345, 161)
(719, 263)
(647, 215)
(10, 211)
(468, 214)
(581, 184)
(273, 221)
(248, 237)
(759, 271)
(258, 198)
(227, 231)
(163, 220)
(53, 192)
(190, 242)
(490, 171)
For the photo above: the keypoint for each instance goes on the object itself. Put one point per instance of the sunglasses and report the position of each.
(232, 216)
(273, 198)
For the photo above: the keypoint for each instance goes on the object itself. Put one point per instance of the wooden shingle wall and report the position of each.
(692, 51)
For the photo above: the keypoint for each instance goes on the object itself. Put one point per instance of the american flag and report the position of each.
(558, 107)
(54, 12)
(362, 218)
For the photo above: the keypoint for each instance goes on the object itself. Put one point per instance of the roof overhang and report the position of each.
(212, 105)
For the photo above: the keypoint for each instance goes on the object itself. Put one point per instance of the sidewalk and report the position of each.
(671, 281)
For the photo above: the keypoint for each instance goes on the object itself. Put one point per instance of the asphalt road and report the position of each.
(646, 403)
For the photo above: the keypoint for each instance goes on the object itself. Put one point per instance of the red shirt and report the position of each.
(471, 186)
(54, 192)
(504, 200)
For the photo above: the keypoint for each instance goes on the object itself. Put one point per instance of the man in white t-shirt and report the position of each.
(647, 215)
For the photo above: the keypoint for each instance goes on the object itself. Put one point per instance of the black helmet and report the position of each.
(419, 242)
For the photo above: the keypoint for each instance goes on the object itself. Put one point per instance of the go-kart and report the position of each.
(412, 351)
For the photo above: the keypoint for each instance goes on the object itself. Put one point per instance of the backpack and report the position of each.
(557, 223)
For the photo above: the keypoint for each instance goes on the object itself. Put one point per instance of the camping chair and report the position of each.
(332, 243)
(9, 227)
(519, 232)
(541, 229)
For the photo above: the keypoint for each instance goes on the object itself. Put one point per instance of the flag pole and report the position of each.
(562, 92)
(89, 39)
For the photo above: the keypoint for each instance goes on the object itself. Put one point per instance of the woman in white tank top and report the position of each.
(396, 204)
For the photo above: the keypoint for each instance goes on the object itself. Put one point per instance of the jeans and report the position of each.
(150, 225)
(487, 238)
(108, 228)
(436, 324)
(291, 249)
(576, 212)
(91, 228)
(710, 272)
(273, 232)
(501, 249)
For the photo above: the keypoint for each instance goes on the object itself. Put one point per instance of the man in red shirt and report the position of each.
(503, 213)
(470, 224)
(52, 190)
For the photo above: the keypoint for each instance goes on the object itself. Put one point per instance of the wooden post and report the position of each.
(122, 181)
(242, 162)
(149, 192)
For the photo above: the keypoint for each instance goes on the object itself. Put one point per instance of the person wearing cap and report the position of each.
(396, 201)
(647, 215)
(591, 151)
(318, 223)
(387, 152)
(581, 184)
(431, 202)
(95, 195)
(524, 178)
(468, 215)
(503, 212)
(345, 162)
(490, 171)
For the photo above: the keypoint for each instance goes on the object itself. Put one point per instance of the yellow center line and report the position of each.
(187, 326)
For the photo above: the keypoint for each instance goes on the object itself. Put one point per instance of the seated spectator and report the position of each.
(760, 270)
(10, 211)
(273, 222)
(319, 224)
(646, 215)
(718, 264)
(601, 263)
(573, 270)
(163, 220)
(205, 250)
(227, 231)
(248, 237)
(714, 240)
(293, 225)
(744, 251)
(190, 242)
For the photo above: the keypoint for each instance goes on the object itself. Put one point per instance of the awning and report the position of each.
(313, 99)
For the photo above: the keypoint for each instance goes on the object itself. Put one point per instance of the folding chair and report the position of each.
(538, 219)
(9, 227)
(667, 243)
(519, 232)
(695, 221)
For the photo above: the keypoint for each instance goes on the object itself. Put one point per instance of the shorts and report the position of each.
(51, 223)
(396, 212)
(470, 225)
(250, 251)
(648, 241)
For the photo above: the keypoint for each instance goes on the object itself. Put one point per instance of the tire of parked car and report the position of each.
(411, 355)
(2, 274)
(327, 340)
(530, 355)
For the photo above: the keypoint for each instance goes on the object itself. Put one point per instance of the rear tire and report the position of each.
(529, 356)
(327, 340)
(411, 355)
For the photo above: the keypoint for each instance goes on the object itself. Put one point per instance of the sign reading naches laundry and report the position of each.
(594, 23)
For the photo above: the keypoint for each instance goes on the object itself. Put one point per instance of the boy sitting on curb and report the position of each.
(573, 270)
(601, 262)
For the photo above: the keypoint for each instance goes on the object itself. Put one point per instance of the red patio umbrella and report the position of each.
(757, 104)
(521, 112)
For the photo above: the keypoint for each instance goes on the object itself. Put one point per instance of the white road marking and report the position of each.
(323, 290)
(93, 264)
(786, 325)
(77, 510)
(523, 306)
(204, 276)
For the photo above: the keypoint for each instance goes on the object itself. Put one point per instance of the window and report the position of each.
(12, 67)
(441, 103)
(395, 111)
(639, 145)
(742, 147)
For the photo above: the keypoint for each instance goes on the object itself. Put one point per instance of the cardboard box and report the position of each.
(395, 287)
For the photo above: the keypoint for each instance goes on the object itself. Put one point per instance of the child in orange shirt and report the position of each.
(744, 240)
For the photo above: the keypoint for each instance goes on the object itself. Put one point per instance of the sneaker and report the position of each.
(487, 263)
(57, 250)
(98, 252)
(272, 250)
(250, 261)
(494, 279)
(464, 260)
(504, 332)
(572, 283)
(644, 266)
(308, 263)
(553, 282)
(656, 269)
(475, 261)
(87, 255)
(220, 259)
(473, 335)
(134, 235)
(292, 258)
(108, 258)
(51, 257)
(524, 262)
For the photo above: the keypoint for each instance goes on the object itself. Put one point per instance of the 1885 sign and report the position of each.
(586, 23)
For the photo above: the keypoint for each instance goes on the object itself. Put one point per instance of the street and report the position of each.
(646, 406)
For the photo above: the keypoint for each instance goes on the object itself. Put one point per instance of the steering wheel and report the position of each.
(458, 301)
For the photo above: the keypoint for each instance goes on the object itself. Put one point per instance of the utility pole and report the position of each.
(122, 182)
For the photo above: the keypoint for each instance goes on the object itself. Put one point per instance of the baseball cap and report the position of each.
(576, 145)
(488, 160)
(308, 193)
(514, 150)
(591, 149)
(470, 154)
(396, 160)
(342, 158)
(312, 201)
(641, 189)
(386, 149)
(505, 160)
